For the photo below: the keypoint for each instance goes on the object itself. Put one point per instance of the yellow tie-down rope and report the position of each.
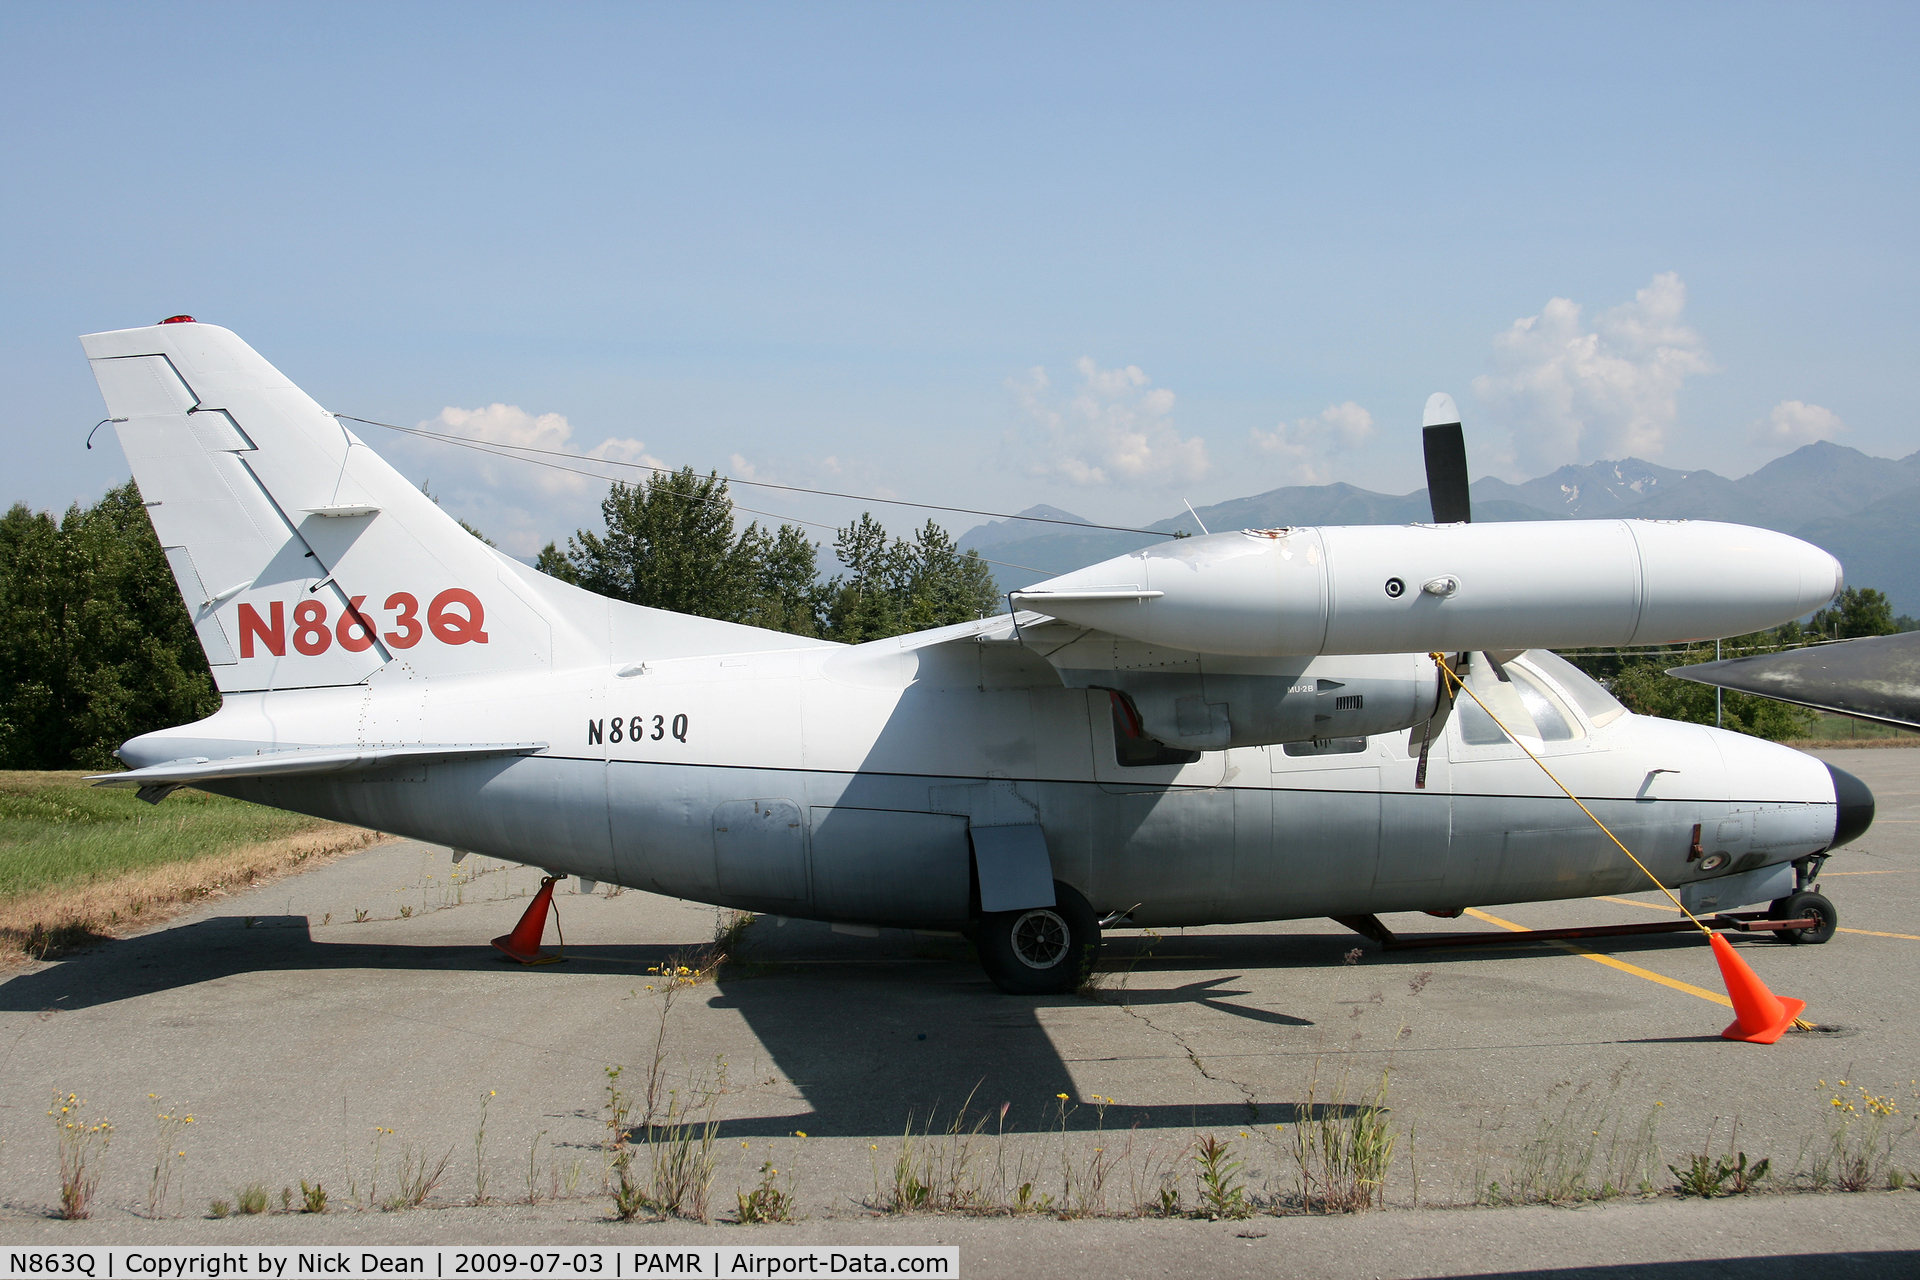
(1455, 682)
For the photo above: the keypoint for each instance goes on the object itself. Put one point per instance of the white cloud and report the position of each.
(509, 424)
(1114, 428)
(1794, 423)
(521, 504)
(1311, 442)
(1573, 393)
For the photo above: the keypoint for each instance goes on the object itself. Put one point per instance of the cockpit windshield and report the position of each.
(1587, 693)
(1522, 703)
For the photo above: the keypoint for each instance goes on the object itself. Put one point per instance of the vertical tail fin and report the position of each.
(304, 558)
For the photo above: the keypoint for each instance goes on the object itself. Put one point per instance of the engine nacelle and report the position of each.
(1351, 589)
(1207, 702)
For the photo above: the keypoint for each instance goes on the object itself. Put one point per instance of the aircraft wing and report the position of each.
(302, 761)
(1875, 678)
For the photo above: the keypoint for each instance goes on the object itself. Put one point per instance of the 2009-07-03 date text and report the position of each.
(579, 1264)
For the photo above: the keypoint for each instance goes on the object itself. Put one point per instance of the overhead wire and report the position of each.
(498, 451)
(491, 446)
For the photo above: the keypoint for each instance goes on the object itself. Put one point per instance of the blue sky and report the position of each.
(1105, 257)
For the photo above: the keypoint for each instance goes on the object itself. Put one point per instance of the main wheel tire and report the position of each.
(1798, 906)
(1042, 950)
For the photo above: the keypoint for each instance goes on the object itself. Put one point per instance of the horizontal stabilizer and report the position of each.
(305, 760)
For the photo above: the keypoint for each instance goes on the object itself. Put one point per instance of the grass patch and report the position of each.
(56, 830)
(77, 862)
(1830, 730)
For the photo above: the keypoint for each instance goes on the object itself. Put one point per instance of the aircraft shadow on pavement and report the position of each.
(227, 946)
(875, 1034)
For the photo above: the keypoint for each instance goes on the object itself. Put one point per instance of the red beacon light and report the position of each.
(179, 320)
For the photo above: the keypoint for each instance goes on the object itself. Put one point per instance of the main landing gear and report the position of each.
(1042, 950)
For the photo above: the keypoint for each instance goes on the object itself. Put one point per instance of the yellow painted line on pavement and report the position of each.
(1611, 963)
(1865, 933)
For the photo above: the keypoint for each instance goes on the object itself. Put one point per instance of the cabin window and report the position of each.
(1132, 748)
(1326, 747)
(1587, 693)
(1477, 728)
(1523, 702)
(1553, 718)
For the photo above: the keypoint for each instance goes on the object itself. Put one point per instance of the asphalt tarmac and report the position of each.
(356, 1012)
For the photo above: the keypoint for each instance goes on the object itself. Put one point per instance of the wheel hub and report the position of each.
(1041, 939)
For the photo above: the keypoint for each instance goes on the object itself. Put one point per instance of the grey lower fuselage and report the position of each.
(842, 784)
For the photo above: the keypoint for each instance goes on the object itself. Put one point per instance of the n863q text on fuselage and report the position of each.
(1215, 729)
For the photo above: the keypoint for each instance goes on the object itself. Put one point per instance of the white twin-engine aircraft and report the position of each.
(1236, 727)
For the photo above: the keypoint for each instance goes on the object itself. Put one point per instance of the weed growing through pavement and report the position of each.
(251, 1198)
(1595, 1147)
(418, 1175)
(937, 1170)
(313, 1197)
(169, 1150)
(219, 1208)
(1107, 980)
(83, 1144)
(772, 1199)
(1342, 1150)
(1863, 1130)
(1083, 1182)
(678, 1126)
(681, 1150)
(533, 1168)
(1155, 1181)
(1217, 1180)
(480, 1150)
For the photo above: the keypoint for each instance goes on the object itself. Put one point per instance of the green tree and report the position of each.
(554, 563)
(789, 594)
(869, 602)
(98, 646)
(1646, 689)
(670, 544)
(894, 586)
(1860, 611)
(1640, 681)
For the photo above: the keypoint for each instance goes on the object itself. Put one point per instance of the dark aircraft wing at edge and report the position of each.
(1875, 678)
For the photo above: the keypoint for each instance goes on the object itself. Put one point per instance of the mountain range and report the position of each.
(1864, 510)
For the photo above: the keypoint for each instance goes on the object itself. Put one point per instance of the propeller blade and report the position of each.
(1446, 449)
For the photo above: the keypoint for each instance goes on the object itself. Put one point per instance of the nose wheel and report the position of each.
(1806, 905)
(1042, 950)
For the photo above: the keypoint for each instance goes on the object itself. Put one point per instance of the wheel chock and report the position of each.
(1759, 1016)
(523, 944)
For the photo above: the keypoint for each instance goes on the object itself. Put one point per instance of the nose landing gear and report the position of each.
(1807, 904)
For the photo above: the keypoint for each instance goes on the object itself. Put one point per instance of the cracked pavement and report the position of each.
(292, 1031)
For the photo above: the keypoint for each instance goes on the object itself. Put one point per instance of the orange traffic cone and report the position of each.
(523, 944)
(1759, 1015)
